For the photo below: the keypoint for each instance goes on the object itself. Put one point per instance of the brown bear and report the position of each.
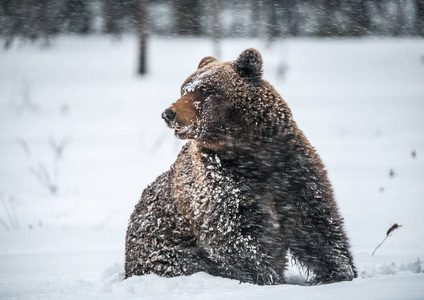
(245, 189)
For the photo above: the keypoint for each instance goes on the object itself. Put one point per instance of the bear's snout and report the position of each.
(169, 115)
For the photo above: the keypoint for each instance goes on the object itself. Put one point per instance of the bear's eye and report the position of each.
(204, 92)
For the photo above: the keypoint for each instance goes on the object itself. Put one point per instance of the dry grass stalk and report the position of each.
(391, 229)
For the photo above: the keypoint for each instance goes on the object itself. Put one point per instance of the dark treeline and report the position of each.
(33, 19)
(268, 19)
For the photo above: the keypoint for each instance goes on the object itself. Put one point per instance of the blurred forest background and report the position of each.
(41, 20)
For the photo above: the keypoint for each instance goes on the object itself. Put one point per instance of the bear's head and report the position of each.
(227, 104)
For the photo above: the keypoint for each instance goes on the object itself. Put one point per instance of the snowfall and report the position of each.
(81, 136)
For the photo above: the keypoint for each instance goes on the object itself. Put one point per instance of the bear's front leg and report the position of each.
(244, 259)
(320, 243)
(230, 223)
(241, 242)
(158, 238)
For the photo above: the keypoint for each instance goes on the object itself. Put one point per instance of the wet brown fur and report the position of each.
(244, 190)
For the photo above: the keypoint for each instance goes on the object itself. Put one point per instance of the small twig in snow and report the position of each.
(11, 215)
(25, 147)
(26, 102)
(391, 229)
(58, 146)
(44, 178)
(14, 215)
(48, 177)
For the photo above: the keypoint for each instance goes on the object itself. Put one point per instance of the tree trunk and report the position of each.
(187, 17)
(272, 25)
(112, 17)
(142, 35)
(399, 18)
(290, 17)
(78, 17)
(359, 18)
(419, 17)
(216, 29)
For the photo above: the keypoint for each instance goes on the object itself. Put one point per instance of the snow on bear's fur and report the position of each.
(246, 188)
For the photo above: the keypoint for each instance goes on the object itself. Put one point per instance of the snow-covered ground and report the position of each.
(81, 136)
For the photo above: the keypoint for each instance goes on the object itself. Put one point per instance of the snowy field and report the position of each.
(81, 136)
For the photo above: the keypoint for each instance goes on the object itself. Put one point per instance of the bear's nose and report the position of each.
(168, 115)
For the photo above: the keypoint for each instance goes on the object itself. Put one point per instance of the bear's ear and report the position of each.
(206, 61)
(249, 64)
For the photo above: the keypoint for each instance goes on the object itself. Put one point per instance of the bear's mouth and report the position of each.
(183, 130)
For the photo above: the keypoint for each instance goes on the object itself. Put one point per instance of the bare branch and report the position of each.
(24, 146)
